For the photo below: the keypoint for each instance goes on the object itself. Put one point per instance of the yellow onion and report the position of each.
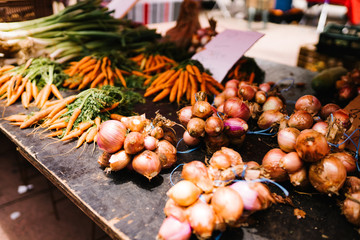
(184, 115)
(119, 160)
(235, 157)
(196, 172)
(202, 109)
(147, 163)
(269, 118)
(135, 123)
(111, 136)
(196, 127)
(311, 145)
(184, 193)
(201, 217)
(214, 126)
(273, 103)
(172, 228)
(220, 160)
(321, 127)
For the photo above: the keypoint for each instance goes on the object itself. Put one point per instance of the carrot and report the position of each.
(72, 120)
(16, 123)
(212, 89)
(96, 69)
(173, 92)
(18, 81)
(28, 91)
(196, 71)
(10, 86)
(74, 84)
(137, 58)
(81, 139)
(58, 125)
(190, 69)
(162, 94)
(78, 64)
(56, 116)
(162, 77)
(149, 61)
(188, 91)
(16, 118)
(24, 101)
(54, 134)
(91, 134)
(151, 91)
(78, 131)
(87, 70)
(115, 116)
(4, 87)
(97, 80)
(3, 96)
(45, 95)
(137, 73)
(252, 77)
(18, 93)
(4, 78)
(214, 82)
(114, 105)
(120, 76)
(109, 71)
(97, 122)
(6, 68)
(61, 105)
(181, 85)
(112, 81)
(85, 81)
(51, 103)
(186, 81)
(36, 117)
(168, 59)
(88, 63)
(203, 86)
(103, 65)
(56, 91)
(154, 68)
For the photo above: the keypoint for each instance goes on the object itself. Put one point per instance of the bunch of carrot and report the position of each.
(92, 72)
(153, 63)
(24, 82)
(79, 116)
(246, 69)
(183, 81)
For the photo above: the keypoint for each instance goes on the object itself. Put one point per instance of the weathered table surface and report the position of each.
(127, 206)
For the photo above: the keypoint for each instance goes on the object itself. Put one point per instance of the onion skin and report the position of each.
(352, 184)
(135, 123)
(299, 178)
(348, 160)
(308, 103)
(184, 115)
(202, 218)
(172, 228)
(321, 127)
(134, 143)
(328, 175)
(111, 136)
(230, 92)
(235, 127)
(227, 204)
(247, 92)
(286, 139)
(147, 163)
(351, 208)
(235, 108)
(189, 140)
(328, 109)
(271, 165)
(196, 127)
(219, 99)
(119, 160)
(291, 162)
(311, 145)
(196, 172)
(273, 103)
(248, 195)
(342, 117)
(184, 193)
(214, 126)
(269, 118)
(201, 109)
(235, 157)
(167, 153)
(232, 83)
(175, 210)
(150, 143)
(301, 120)
(103, 159)
(260, 97)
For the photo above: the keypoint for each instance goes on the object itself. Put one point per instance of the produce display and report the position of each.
(86, 72)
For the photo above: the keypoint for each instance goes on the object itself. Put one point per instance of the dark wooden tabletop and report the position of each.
(128, 206)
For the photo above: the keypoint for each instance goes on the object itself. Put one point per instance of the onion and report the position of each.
(351, 208)
(111, 136)
(185, 115)
(260, 97)
(134, 142)
(308, 103)
(167, 153)
(264, 195)
(220, 160)
(220, 108)
(252, 170)
(311, 145)
(301, 120)
(269, 119)
(235, 127)
(346, 93)
(103, 159)
(328, 109)
(348, 160)
(328, 175)
(247, 92)
(265, 87)
(342, 117)
(202, 218)
(219, 99)
(228, 204)
(135, 123)
(196, 172)
(273, 103)
(202, 109)
(196, 127)
(271, 165)
(150, 143)
(291, 162)
(214, 126)
(147, 163)
(232, 83)
(119, 160)
(248, 195)
(170, 136)
(157, 132)
(173, 209)
(189, 140)
(214, 143)
(286, 139)
(352, 184)
(299, 178)
(184, 193)
(172, 228)
(235, 157)
(235, 108)
(230, 92)
(321, 127)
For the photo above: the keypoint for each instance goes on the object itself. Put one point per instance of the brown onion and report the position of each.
(328, 109)
(167, 153)
(235, 108)
(189, 140)
(271, 165)
(202, 109)
(301, 120)
(265, 87)
(235, 157)
(219, 99)
(147, 163)
(184, 193)
(172, 228)
(228, 204)
(185, 115)
(342, 117)
(352, 184)
(230, 92)
(291, 162)
(196, 172)
(286, 139)
(311, 145)
(220, 160)
(232, 83)
(135, 123)
(328, 175)
(196, 127)
(348, 160)
(299, 178)
(308, 103)
(247, 92)
(202, 218)
(214, 126)
(351, 208)
(235, 127)
(157, 132)
(173, 209)
(150, 143)
(134, 143)
(321, 127)
(111, 136)
(269, 118)
(119, 160)
(273, 103)
(260, 97)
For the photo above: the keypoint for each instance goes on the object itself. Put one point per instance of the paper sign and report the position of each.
(121, 7)
(354, 109)
(224, 50)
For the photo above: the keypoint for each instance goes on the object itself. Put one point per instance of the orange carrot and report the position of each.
(163, 77)
(186, 81)
(120, 76)
(4, 78)
(114, 105)
(175, 76)
(97, 80)
(18, 93)
(162, 94)
(24, 101)
(252, 77)
(45, 95)
(190, 69)
(72, 120)
(54, 134)
(90, 62)
(115, 116)
(156, 67)
(78, 131)
(91, 134)
(16, 118)
(56, 91)
(103, 65)
(212, 89)
(96, 69)
(36, 117)
(81, 139)
(174, 91)
(62, 105)
(149, 61)
(97, 122)
(56, 116)
(181, 85)
(78, 64)
(6, 68)
(196, 71)
(58, 125)
(168, 59)
(214, 82)
(4, 87)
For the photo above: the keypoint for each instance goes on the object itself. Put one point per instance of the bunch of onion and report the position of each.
(205, 125)
(351, 205)
(199, 205)
(137, 143)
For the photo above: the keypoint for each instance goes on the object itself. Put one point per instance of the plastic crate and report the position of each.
(340, 40)
(20, 10)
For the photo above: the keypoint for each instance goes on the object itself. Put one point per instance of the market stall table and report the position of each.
(128, 206)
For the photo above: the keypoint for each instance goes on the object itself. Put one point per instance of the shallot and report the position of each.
(166, 153)
(201, 109)
(111, 136)
(134, 143)
(308, 103)
(201, 217)
(119, 160)
(147, 163)
(172, 228)
(311, 145)
(286, 139)
(301, 120)
(271, 164)
(196, 172)
(236, 108)
(184, 115)
(184, 193)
